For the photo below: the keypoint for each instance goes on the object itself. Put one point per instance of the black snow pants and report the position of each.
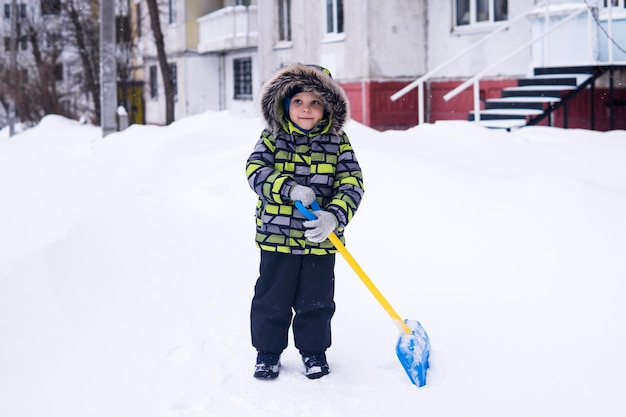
(302, 283)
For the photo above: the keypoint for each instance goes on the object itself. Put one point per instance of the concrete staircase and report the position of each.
(536, 97)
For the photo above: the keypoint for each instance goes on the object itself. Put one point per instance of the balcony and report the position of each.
(227, 29)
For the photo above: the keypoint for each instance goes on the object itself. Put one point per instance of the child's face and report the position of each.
(306, 110)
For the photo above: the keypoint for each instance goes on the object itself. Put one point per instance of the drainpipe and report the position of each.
(234, 37)
(247, 25)
(13, 66)
(108, 87)
(544, 39)
(364, 104)
(222, 82)
(609, 42)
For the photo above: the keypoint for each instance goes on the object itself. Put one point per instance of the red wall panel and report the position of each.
(371, 104)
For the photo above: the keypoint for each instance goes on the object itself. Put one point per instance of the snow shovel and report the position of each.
(413, 348)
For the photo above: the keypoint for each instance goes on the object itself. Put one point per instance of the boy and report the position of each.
(302, 155)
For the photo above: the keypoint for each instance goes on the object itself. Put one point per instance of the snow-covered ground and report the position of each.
(127, 266)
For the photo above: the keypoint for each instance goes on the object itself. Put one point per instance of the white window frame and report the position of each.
(334, 33)
(618, 11)
(619, 4)
(473, 22)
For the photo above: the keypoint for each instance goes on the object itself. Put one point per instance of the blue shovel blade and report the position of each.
(413, 351)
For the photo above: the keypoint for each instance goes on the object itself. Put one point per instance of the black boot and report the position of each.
(315, 365)
(267, 365)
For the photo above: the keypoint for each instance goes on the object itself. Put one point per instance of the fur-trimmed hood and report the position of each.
(303, 78)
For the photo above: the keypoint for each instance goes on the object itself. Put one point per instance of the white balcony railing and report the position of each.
(229, 28)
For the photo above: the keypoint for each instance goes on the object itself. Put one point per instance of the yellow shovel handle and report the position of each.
(368, 283)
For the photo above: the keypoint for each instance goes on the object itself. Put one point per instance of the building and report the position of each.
(220, 52)
(225, 50)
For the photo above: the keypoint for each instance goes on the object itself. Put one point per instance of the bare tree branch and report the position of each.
(168, 83)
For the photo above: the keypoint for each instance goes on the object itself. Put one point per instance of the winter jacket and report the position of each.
(284, 156)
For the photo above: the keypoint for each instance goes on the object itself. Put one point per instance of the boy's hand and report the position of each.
(320, 228)
(302, 193)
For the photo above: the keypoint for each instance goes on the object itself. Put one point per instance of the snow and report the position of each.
(127, 266)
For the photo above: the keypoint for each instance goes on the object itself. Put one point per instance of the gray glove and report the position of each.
(320, 228)
(302, 193)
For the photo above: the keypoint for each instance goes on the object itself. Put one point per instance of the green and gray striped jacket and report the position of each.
(322, 159)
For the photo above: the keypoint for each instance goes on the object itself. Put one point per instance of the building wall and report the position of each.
(395, 43)
(370, 104)
(304, 46)
(385, 44)
(199, 77)
(193, 10)
(445, 42)
(382, 41)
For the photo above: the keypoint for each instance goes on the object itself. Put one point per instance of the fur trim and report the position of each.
(297, 78)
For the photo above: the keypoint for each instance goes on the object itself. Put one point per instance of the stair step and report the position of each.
(529, 100)
(583, 69)
(534, 97)
(536, 91)
(569, 81)
(507, 124)
(505, 114)
(572, 79)
(492, 104)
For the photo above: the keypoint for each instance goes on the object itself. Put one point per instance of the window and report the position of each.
(122, 29)
(172, 10)
(174, 78)
(471, 12)
(22, 43)
(154, 90)
(50, 39)
(615, 3)
(334, 16)
(138, 19)
(50, 7)
(21, 10)
(58, 72)
(243, 78)
(284, 20)
(501, 10)
(482, 11)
